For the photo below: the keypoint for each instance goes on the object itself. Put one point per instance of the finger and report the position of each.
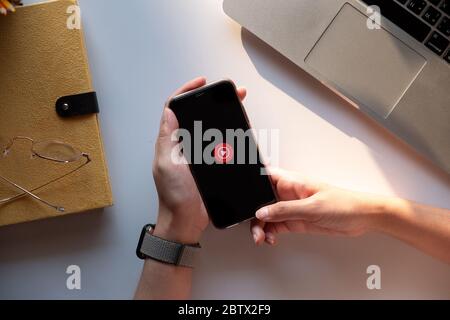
(273, 229)
(270, 234)
(242, 93)
(189, 86)
(293, 185)
(257, 230)
(169, 123)
(283, 184)
(277, 174)
(167, 140)
(276, 228)
(302, 227)
(289, 210)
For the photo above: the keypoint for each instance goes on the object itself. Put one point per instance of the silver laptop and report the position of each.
(388, 58)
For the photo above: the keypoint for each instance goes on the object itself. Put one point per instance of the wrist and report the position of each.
(172, 228)
(384, 212)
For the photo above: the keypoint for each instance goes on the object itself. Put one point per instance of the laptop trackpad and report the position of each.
(371, 67)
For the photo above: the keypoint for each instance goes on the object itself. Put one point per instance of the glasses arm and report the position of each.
(30, 193)
(26, 192)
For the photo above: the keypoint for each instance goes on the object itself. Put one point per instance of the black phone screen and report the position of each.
(222, 153)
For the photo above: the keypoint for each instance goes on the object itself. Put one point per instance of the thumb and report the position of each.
(288, 210)
(169, 124)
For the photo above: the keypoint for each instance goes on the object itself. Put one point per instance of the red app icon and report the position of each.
(223, 153)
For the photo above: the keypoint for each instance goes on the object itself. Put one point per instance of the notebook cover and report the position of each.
(40, 61)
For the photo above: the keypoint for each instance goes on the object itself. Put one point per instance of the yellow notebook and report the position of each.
(46, 94)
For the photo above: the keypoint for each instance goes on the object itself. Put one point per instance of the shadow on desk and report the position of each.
(314, 267)
(289, 78)
(52, 238)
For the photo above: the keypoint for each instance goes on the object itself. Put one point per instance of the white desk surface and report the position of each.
(138, 56)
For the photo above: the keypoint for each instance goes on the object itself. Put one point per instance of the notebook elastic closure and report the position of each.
(77, 105)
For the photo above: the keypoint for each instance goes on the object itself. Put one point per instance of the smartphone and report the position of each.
(222, 153)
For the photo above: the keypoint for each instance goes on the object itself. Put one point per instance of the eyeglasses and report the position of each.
(51, 150)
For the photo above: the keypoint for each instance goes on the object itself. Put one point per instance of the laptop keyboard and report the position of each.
(428, 21)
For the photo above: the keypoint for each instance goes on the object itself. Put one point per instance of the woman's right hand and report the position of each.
(311, 207)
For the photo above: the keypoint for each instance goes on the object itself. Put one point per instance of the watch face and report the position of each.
(146, 229)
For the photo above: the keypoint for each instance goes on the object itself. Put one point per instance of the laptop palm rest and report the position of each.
(372, 67)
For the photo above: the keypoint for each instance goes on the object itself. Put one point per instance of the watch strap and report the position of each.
(168, 251)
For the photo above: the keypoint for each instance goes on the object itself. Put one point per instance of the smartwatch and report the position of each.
(165, 251)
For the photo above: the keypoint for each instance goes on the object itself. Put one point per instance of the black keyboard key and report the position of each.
(402, 18)
(402, 1)
(432, 15)
(435, 2)
(437, 43)
(447, 56)
(417, 6)
(444, 26)
(445, 6)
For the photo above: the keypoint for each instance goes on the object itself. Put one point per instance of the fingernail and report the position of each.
(255, 237)
(262, 213)
(270, 238)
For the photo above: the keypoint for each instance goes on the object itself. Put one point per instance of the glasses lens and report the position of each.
(58, 151)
